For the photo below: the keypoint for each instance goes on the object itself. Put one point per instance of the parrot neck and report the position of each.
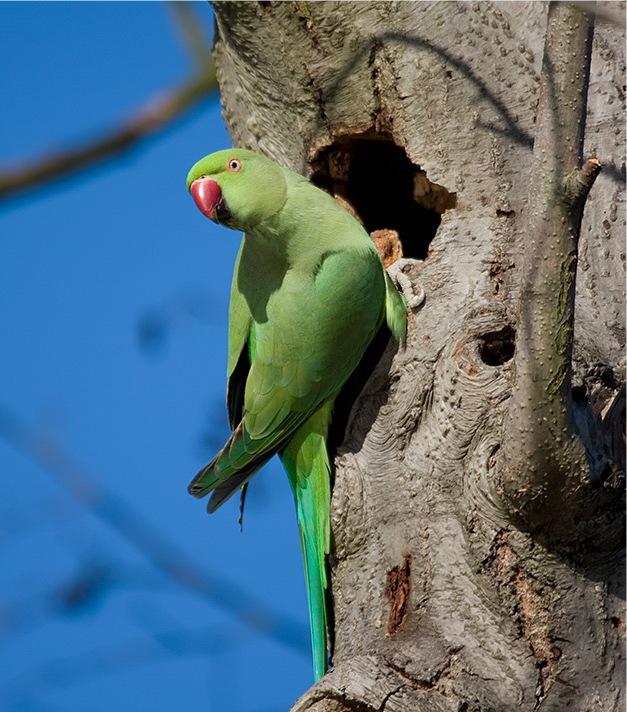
(309, 224)
(266, 243)
(288, 249)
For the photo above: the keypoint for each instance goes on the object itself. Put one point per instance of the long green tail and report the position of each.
(307, 463)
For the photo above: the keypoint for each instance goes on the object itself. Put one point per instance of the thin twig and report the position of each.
(152, 118)
(147, 122)
(189, 28)
(581, 180)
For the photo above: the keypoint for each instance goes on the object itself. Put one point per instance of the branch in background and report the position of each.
(154, 117)
(85, 589)
(151, 119)
(75, 594)
(188, 28)
(162, 553)
(543, 467)
(156, 323)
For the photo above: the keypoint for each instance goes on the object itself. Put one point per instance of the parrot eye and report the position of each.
(234, 165)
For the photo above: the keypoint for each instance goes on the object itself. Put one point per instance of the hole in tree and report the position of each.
(497, 347)
(376, 181)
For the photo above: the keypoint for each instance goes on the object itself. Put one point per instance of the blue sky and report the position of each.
(84, 264)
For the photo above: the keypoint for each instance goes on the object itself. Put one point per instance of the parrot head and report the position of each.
(237, 187)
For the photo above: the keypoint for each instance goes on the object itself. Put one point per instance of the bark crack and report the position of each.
(398, 589)
(380, 120)
(318, 96)
(531, 611)
(390, 694)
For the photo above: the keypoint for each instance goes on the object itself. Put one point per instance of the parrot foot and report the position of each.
(413, 292)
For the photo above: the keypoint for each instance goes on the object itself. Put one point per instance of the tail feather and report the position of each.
(233, 466)
(306, 460)
(226, 490)
(307, 463)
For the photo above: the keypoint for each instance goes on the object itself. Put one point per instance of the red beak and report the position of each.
(206, 194)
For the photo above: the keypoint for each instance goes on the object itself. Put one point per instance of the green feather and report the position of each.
(307, 464)
(395, 311)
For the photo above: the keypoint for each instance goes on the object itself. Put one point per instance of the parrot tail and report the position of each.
(307, 463)
(232, 467)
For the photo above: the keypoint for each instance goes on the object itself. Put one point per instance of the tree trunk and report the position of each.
(478, 498)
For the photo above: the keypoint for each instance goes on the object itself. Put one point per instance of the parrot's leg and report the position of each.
(414, 293)
(307, 463)
(242, 502)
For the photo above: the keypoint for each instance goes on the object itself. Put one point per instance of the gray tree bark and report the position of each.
(478, 523)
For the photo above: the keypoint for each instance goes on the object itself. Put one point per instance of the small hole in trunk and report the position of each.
(497, 347)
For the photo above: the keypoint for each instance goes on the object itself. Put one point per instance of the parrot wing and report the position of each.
(318, 327)
(238, 363)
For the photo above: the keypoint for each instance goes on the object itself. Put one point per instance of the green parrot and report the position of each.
(309, 293)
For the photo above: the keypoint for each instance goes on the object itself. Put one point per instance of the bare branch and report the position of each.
(579, 182)
(152, 118)
(191, 35)
(162, 553)
(544, 465)
(86, 588)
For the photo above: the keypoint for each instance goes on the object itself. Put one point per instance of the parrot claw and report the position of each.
(413, 292)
